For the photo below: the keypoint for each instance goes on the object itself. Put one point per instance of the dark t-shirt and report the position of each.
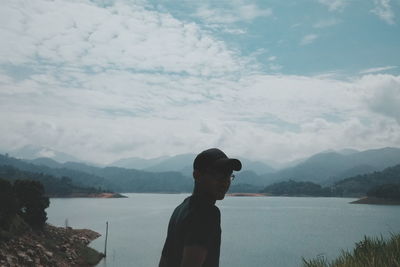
(195, 222)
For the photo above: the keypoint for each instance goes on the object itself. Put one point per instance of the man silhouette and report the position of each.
(194, 230)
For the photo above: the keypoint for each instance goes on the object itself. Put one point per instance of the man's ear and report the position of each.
(196, 175)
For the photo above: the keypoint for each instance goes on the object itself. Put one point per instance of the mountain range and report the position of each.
(329, 167)
(173, 174)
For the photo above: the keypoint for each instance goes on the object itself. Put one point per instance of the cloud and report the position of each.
(384, 11)
(308, 39)
(379, 69)
(382, 94)
(237, 11)
(334, 5)
(103, 83)
(120, 36)
(277, 117)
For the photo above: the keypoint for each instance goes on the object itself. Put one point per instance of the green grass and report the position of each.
(370, 252)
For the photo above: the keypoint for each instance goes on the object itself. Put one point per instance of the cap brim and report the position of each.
(228, 164)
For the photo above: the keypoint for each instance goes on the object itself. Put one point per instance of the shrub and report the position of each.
(370, 252)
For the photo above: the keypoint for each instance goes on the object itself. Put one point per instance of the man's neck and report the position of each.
(203, 196)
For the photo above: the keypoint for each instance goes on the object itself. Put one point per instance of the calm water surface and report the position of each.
(256, 231)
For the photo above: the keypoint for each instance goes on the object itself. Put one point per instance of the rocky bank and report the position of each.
(54, 246)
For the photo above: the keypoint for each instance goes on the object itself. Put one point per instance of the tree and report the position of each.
(8, 203)
(31, 202)
(390, 191)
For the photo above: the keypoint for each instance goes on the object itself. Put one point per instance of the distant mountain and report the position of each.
(137, 163)
(326, 168)
(33, 152)
(251, 178)
(182, 163)
(257, 167)
(176, 163)
(46, 162)
(347, 151)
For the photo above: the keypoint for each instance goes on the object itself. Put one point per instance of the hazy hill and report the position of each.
(33, 152)
(137, 163)
(46, 162)
(182, 163)
(326, 168)
(176, 163)
(251, 178)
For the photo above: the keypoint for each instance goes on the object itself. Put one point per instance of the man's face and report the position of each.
(216, 183)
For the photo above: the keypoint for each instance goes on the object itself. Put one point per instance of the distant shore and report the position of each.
(246, 195)
(376, 201)
(90, 195)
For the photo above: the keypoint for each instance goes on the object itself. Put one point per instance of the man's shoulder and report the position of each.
(206, 214)
(190, 207)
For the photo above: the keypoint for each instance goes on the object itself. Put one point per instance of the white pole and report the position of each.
(105, 245)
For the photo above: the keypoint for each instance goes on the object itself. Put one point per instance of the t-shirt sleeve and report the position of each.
(202, 227)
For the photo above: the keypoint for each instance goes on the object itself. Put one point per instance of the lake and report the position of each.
(256, 231)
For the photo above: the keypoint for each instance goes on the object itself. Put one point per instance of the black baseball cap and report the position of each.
(215, 159)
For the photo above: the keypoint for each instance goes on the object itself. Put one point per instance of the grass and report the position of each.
(370, 252)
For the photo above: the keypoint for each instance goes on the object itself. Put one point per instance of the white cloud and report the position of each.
(121, 36)
(120, 114)
(384, 11)
(237, 11)
(107, 83)
(334, 5)
(379, 69)
(308, 39)
(382, 94)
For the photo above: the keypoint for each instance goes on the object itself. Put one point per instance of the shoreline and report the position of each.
(52, 246)
(89, 195)
(246, 195)
(376, 201)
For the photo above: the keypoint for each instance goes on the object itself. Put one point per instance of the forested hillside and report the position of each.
(359, 185)
(379, 184)
(109, 178)
(53, 186)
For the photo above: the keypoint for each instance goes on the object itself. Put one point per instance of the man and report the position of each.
(194, 230)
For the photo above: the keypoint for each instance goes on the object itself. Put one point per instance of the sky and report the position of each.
(266, 80)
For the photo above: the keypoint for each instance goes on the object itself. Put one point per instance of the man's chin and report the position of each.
(220, 196)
